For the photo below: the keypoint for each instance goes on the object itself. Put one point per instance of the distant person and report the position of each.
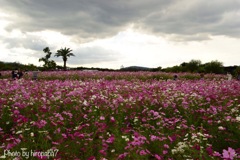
(238, 76)
(14, 74)
(229, 76)
(26, 72)
(35, 75)
(19, 74)
(202, 76)
(175, 77)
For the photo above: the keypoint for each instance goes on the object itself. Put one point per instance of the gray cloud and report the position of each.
(27, 42)
(191, 18)
(87, 20)
(92, 55)
(86, 55)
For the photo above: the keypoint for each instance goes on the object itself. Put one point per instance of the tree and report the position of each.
(48, 64)
(45, 59)
(214, 67)
(237, 71)
(64, 53)
(183, 67)
(193, 65)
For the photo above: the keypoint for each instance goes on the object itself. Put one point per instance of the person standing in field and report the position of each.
(20, 74)
(175, 77)
(202, 76)
(238, 76)
(229, 76)
(35, 75)
(14, 74)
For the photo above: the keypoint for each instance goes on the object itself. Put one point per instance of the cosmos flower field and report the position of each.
(120, 115)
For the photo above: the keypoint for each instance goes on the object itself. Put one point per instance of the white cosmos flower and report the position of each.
(238, 119)
(18, 132)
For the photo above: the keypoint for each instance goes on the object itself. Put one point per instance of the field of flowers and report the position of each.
(119, 115)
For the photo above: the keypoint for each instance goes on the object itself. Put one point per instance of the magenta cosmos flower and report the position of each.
(229, 154)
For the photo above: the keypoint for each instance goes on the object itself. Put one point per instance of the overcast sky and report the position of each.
(112, 33)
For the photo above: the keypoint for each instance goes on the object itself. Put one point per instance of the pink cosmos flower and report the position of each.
(144, 119)
(166, 146)
(209, 150)
(59, 116)
(80, 135)
(229, 154)
(153, 138)
(110, 139)
(112, 119)
(40, 124)
(165, 152)
(64, 135)
(85, 116)
(91, 158)
(142, 152)
(157, 157)
(103, 152)
(216, 154)
(172, 138)
(55, 143)
(10, 145)
(122, 156)
(15, 112)
(155, 114)
(68, 114)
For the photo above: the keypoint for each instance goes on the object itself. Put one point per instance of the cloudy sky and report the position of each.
(112, 33)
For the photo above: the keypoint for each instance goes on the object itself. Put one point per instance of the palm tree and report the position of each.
(65, 53)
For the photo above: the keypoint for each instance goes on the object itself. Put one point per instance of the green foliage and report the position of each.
(237, 71)
(195, 66)
(48, 64)
(214, 67)
(6, 66)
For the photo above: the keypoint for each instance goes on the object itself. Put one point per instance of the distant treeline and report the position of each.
(194, 66)
(5, 66)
